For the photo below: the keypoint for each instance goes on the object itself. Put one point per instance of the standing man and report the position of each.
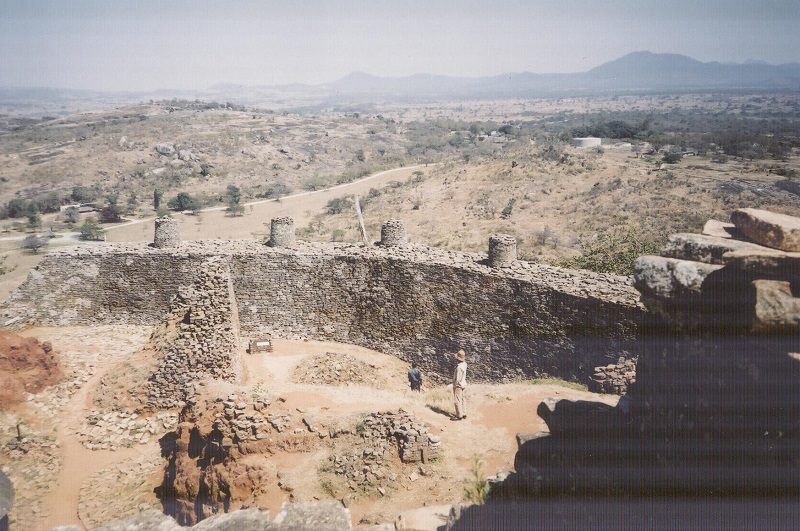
(415, 377)
(459, 384)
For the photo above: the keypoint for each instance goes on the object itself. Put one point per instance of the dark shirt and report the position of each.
(415, 377)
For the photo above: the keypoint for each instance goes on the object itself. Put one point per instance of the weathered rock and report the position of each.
(721, 229)
(776, 307)
(768, 263)
(705, 249)
(777, 231)
(165, 149)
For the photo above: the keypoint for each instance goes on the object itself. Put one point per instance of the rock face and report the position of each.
(26, 366)
(715, 407)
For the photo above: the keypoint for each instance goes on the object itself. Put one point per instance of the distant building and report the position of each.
(584, 142)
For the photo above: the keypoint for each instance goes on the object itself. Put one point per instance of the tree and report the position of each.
(234, 195)
(111, 213)
(81, 194)
(33, 243)
(90, 230)
(183, 201)
(18, 208)
(157, 194)
(71, 215)
(339, 204)
(34, 219)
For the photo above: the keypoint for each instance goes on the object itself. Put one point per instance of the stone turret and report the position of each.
(281, 232)
(502, 250)
(167, 233)
(393, 232)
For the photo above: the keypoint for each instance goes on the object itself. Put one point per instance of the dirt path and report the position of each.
(213, 223)
(79, 463)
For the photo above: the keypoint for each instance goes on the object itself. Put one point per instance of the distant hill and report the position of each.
(637, 72)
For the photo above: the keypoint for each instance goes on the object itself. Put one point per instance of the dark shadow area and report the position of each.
(707, 438)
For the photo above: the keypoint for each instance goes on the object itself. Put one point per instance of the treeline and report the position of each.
(46, 203)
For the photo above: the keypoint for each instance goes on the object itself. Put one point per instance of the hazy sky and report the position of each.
(146, 44)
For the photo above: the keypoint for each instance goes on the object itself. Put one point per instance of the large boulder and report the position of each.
(778, 231)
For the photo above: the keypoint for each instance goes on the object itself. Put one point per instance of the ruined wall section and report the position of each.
(523, 321)
(520, 320)
(206, 342)
(119, 283)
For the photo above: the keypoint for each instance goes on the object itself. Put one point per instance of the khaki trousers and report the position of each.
(460, 401)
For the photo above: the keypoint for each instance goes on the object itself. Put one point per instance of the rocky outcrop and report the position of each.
(715, 407)
(329, 515)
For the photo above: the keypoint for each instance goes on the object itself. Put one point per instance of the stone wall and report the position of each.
(206, 338)
(520, 320)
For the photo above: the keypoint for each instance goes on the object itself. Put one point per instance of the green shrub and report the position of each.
(613, 252)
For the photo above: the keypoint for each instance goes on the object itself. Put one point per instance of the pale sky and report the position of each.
(179, 44)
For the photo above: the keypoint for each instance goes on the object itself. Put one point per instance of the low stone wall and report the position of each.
(521, 320)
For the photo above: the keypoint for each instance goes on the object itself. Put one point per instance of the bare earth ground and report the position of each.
(59, 481)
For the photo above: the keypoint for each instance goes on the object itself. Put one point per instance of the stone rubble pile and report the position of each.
(333, 368)
(119, 491)
(207, 342)
(614, 378)
(369, 467)
(114, 430)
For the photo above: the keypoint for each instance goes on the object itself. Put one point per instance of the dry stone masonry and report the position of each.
(281, 232)
(502, 250)
(419, 303)
(206, 343)
(166, 233)
(393, 232)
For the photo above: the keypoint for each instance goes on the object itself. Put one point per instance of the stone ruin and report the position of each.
(712, 411)
(515, 319)
(202, 340)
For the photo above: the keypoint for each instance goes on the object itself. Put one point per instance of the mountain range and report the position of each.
(635, 73)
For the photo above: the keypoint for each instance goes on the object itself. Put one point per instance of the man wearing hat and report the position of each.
(459, 384)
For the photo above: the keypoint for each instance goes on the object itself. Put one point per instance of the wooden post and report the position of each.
(361, 220)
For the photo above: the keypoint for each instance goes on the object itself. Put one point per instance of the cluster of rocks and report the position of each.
(113, 430)
(614, 378)
(740, 274)
(119, 491)
(34, 462)
(369, 467)
(333, 368)
(330, 515)
(207, 337)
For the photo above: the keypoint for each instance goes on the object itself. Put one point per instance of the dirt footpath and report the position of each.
(81, 486)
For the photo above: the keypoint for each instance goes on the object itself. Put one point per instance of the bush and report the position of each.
(33, 243)
(613, 252)
(183, 201)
